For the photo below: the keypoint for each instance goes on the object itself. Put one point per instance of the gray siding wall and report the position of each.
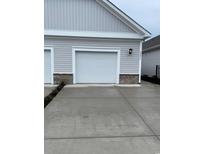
(149, 62)
(80, 15)
(63, 52)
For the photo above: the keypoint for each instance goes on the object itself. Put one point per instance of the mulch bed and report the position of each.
(151, 79)
(50, 97)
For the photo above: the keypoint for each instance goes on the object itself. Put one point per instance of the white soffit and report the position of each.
(92, 34)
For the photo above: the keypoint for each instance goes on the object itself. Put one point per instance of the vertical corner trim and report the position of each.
(140, 62)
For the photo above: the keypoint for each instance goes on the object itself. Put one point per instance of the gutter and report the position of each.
(151, 48)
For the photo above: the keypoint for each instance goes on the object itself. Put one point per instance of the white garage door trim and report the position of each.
(74, 50)
(52, 62)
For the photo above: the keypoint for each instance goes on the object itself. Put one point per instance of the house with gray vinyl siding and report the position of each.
(91, 41)
(151, 57)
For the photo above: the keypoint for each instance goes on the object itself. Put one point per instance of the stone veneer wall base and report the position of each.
(129, 78)
(124, 78)
(66, 78)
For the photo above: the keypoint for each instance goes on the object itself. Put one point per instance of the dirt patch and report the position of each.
(50, 97)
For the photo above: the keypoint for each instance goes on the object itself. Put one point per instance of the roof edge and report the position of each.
(151, 48)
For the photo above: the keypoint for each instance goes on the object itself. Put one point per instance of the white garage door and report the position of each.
(96, 67)
(47, 66)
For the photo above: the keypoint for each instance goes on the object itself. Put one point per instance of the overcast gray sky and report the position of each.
(144, 12)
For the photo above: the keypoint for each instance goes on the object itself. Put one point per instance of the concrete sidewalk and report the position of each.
(104, 120)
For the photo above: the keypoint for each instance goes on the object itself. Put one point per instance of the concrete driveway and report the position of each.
(104, 120)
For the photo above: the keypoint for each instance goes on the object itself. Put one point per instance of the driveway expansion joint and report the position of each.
(99, 137)
(127, 102)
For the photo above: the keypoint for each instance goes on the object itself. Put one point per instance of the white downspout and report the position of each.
(140, 61)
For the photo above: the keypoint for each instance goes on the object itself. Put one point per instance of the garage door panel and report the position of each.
(96, 67)
(47, 66)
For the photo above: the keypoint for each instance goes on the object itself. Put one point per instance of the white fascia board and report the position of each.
(92, 34)
(124, 18)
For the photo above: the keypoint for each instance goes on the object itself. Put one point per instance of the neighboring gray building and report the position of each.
(91, 41)
(151, 57)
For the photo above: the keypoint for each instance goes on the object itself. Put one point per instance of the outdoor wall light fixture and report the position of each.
(130, 51)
